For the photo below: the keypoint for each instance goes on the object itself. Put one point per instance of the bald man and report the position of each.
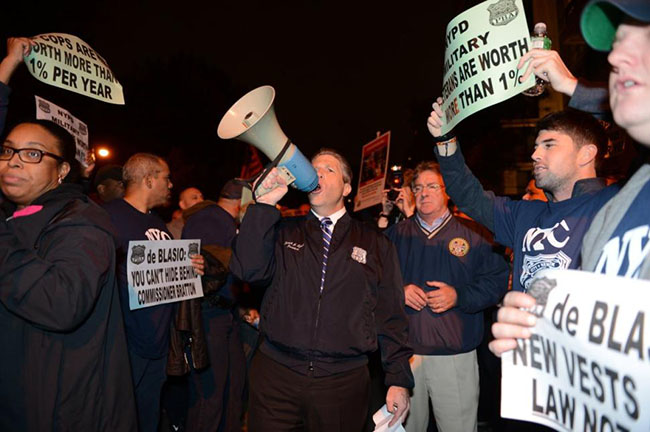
(189, 197)
(147, 180)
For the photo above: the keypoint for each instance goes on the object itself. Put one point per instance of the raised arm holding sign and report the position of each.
(542, 235)
(16, 49)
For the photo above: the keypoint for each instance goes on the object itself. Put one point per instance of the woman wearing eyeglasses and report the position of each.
(63, 358)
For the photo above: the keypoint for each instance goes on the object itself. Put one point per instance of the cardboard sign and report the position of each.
(482, 48)
(67, 62)
(160, 272)
(372, 175)
(46, 110)
(587, 365)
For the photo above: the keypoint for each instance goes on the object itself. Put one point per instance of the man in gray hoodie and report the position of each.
(618, 241)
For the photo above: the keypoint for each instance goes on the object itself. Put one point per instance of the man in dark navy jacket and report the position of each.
(335, 294)
(216, 392)
(451, 274)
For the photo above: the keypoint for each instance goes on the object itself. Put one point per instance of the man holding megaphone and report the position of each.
(334, 294)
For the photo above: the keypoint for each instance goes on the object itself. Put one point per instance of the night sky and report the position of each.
(341, 74)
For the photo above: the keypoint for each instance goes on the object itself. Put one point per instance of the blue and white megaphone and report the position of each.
(252, 119)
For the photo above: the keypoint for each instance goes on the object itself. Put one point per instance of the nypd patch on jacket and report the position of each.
(360, 308)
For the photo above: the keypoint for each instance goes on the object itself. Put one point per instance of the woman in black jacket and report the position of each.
(63, 358)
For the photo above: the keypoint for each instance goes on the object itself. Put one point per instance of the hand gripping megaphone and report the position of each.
(252, 119)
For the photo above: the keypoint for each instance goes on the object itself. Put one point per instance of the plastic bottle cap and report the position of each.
(540, 27)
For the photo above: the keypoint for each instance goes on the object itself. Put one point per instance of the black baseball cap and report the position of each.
(106, 172)
(600, 19)
(232, 189)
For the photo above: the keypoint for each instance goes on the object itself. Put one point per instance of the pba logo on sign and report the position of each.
(137, 254)
(44, 106)
(540, 289)
(503, 12)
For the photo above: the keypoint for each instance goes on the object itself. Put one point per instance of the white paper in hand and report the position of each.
(382, 417)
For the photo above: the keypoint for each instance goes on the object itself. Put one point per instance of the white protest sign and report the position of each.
(161, 272)
(482, 48)
(372, 175)
(67, 62)
(587, 365)
(46, 110)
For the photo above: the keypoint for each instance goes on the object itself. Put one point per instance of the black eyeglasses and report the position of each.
(27, 155)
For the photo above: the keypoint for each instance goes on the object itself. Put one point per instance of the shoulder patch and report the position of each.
(458, 247)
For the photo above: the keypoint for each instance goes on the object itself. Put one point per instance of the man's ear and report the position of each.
(587, 154)
(148, 181)
(346, 189)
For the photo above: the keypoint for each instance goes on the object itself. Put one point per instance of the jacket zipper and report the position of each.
(313, 339)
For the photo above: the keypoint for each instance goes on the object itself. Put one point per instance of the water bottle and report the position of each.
(540, 40)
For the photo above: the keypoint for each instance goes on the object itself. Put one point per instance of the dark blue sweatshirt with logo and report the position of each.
(458, 253)
(147, 329)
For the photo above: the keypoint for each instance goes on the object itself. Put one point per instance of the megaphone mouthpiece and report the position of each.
(250, 119)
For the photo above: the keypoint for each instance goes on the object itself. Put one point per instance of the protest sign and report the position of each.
(587, 365)
(372, 175)
(67, 62)
(482, 48)
(161, 272)
(46, 110)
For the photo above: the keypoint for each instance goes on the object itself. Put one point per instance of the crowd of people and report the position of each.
(413, 287)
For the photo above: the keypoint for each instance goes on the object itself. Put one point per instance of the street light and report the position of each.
(103, 152)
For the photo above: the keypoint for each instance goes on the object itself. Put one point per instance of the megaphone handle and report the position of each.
(274, 163)
(261, 190)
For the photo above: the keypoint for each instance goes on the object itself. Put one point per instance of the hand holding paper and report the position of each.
(198, 262)
(436, 121)
(398, 399)
(513, 322)
(17, 48)
(382, 417)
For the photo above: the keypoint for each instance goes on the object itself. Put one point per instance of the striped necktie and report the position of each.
(325, 224)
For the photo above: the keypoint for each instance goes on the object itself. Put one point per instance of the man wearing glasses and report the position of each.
(451, 274)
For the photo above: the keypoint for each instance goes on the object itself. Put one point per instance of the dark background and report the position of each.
(342, 72)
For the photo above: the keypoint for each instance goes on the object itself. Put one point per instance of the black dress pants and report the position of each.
(284, 400)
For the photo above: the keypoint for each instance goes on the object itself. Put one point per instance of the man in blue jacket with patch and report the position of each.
(451, 274)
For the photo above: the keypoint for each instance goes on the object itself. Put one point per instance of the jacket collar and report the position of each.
(50, 202)
(584, 187)
(197, 208)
